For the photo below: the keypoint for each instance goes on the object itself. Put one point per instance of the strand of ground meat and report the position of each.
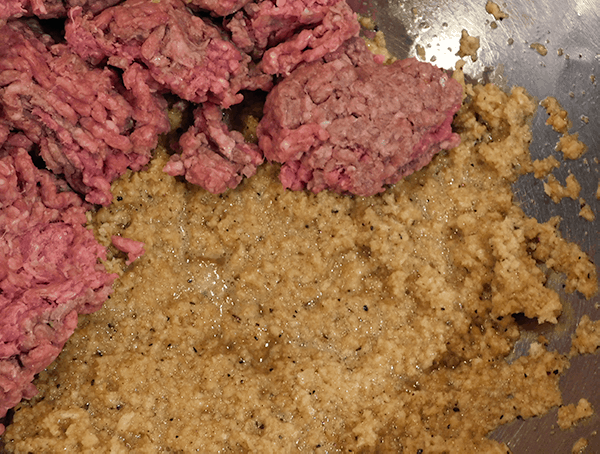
(50, 272)
(351, 125)
(87, 126)
(183, 53)
(212, 156)
(286, 34)
(44, 9)
(48, 9)
(218, 7)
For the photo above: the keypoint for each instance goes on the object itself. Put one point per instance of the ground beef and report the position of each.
(48, 9)
(218, 7)
(183, 53)
(87, 126)
(352, 125)
(133, 249)
(92, 6)
(285, 34)
(49, 272)
(213, 156)
(44, 9)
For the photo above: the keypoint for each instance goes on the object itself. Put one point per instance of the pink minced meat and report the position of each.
(133, 249)
(92, 6)
(286, 34)
(183, 53)
(49, 271)
(213, 156)
(48, 9)
(44, 9)
(218, 7)
(351, 125)
(87, 126)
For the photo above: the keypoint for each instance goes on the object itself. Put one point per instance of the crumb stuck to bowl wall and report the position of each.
(558, 117)
(557, 192)
(469, 45)
(570, 146)
(542, 167)
(579, 446)
(571, 414)
(495, 10)
(586, 338)
(540, 49)
(586, 211)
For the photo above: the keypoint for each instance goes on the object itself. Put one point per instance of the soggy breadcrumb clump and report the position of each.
(377, 45)
(586, 211)
(558, 117)
(542, 167)
(571, 146)
(557, 192)
(579, 446)
(587, 336)
(569, 415)
(271, 320)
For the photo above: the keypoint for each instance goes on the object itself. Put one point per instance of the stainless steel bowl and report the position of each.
(569, 30)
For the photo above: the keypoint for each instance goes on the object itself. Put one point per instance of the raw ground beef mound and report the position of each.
(48, 9)
(286, 34)
(87, 126)
(213, 156)
(353, 126)
(49, 271)
(183, 53)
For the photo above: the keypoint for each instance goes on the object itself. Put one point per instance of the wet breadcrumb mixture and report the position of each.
(571, 414)
(268, 320)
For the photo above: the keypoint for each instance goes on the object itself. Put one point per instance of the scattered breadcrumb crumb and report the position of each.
(377, 46)
(557, 192)
(420, 51)
(598, 191)
(459, 76)
(494, 25)
(559, 119)
(375, 40)
(569, 415)
(586, 212)
(495, 10)
(542, 167)
(468, 46)
(571, 146)
(586, 338)
(249, 129)
(540, 48)
(585, 119)
(579, 446)
(366, 22)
